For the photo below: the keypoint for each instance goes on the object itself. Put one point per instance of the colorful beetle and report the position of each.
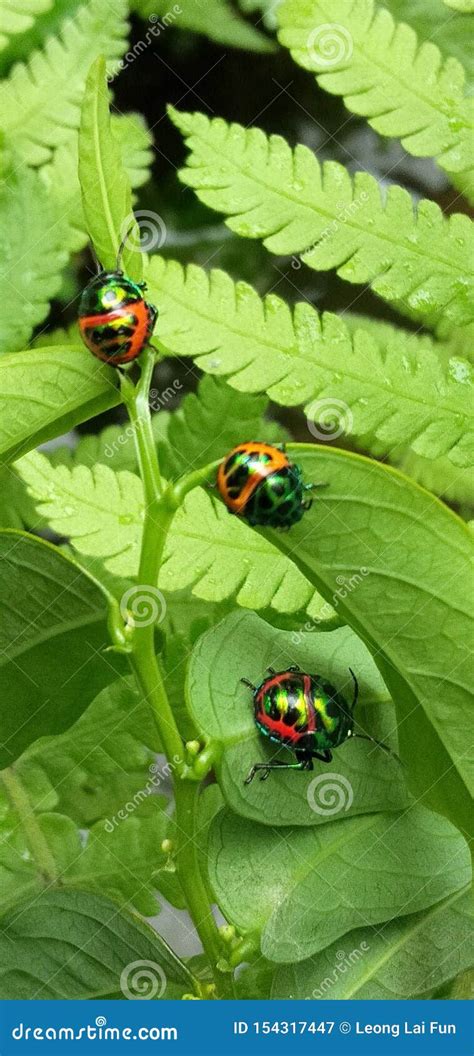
(304, 713)
(257, 481)
(114, 319)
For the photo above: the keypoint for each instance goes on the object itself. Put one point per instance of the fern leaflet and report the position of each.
(416, 259)
(358, 51)
(17, 16)
(215, 19)
(41, 99)
(400, 393)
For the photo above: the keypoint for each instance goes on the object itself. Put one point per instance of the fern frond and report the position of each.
(16, 16)
(61, 179)
(99, 510)
(267, 8)
(40, 101)
(399, 394)
(434, 22)
(32, 256)
(358, 51)
(413, 257)
(215, 19)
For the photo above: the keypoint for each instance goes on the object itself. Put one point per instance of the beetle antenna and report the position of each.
(96, 260)
(246, 682)
(356, 689)
(380, 744)
(123, 244)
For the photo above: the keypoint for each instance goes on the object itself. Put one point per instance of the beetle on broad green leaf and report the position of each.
(257, 481)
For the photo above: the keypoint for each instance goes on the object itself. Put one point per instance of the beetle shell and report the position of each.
(302, 711)
(257, 481)
(114, 319)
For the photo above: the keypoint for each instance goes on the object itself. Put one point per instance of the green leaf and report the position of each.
(41, 100)
(358, 51)
(267, 8)
(100, 763)
(33, 256)
(99, 510)
(414, 258)
(465, 6)
(432, 20)
(16, 16)
(95, 943)
(397, 393)
(45, 25)
(209, 423)
(52, 635)
(410, 610)
(61, 178)
(106, 191)
(46, 391)
(362, 780)
(220, 557)
(406, 958)
(311, 885)
(216, 19)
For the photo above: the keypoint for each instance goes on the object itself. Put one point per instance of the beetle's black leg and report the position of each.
(356, 689)
(325, 757)
(317, 484)
(307, 504)
(246, 682)
(276, 765)
(294, 667)
(271, 670)
(379, 744)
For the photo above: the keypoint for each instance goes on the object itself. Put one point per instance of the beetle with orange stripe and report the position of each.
(257, 481)
(115, 321)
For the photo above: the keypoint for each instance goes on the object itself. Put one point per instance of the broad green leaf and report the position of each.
(46, 391)
(86, 947)
(406, 958)
(52, 636)
(100, 763)
(33, 256)
(16, 16)
(106, 190)
(403, 87)
(99, 510)
(415, 258)
(302, 888)
(41, 99)
(32, 860)
(402, 392)
(62, 181)
(433, 21)
(465, 6)
(216, 19)
(362, 779)
(411, 609)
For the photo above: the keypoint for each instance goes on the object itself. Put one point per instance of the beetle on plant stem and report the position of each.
(115, 321)
(257, 481)
(304, 713)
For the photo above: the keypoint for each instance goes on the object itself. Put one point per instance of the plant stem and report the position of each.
(37, 844)
(160, 507)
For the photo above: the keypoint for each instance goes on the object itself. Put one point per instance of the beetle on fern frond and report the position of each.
(257, 481)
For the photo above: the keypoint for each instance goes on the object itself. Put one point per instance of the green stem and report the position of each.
(160, 508)
(35, 839)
